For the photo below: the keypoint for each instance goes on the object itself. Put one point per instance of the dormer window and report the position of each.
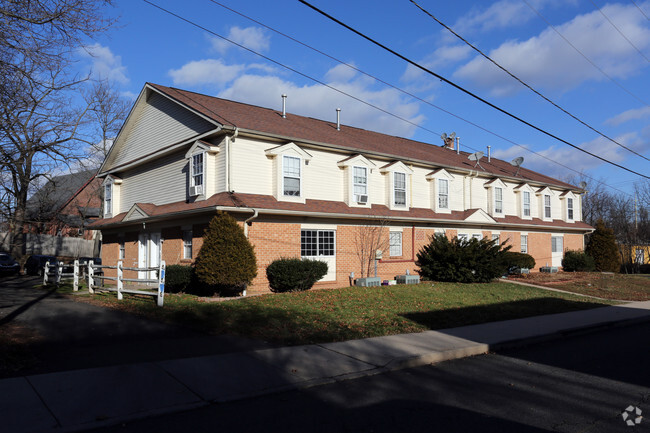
(289, 169)
(547, 206)
(291, 176)
(108, 199)
(526, 203)
(498, 200)
(399, 190)
(569, 208)
(360, 186)
(197, 168)
(443, 194)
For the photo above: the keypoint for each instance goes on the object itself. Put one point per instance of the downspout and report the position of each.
(248, 222)
(413, 243)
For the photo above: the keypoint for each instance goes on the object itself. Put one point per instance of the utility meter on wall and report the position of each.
(378, 254)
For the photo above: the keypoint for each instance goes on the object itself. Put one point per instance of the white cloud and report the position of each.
(440, 57)
(105, 64)
(207, 71)
(547, 61)
(626, 116)
(571, 157)
(340, 73)
(321, 102)
(251, 37)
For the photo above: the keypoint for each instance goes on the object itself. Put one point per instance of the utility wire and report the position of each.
(462, 89)
(640, 10)
(522, 82)
(619, 31)
(418, 98)
(584, 56)
(371, 105)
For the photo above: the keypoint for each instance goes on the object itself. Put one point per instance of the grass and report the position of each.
(319, 316)
(630, 287)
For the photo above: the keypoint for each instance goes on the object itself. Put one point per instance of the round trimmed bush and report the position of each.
(577, 261)
(294, 275)
(516, 261)
(178, 278)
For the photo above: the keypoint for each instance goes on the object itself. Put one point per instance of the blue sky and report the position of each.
(609, 91)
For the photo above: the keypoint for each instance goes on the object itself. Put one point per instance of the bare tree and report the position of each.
(39, 119)
(367, 240)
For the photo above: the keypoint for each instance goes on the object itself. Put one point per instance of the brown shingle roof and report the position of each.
(300, 128)
(269, 203)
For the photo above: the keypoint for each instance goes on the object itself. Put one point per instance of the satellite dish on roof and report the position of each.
(452, 135)
(476, 156)
(444, 136)
(517, 163)
(582, 185)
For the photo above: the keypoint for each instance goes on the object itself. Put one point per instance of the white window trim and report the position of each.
(523, 246)
(498, 211)
(392, 169)
(108, 200)
(394, 190)
(462, 236)
(435, 177)
(202, 173)
(492, 186)
(121, 252)
(549, 207)
(354, 184)
(571, 217)
(187, 244)
(523, 205)
(278, 153)
(301, 191)
(442, 194)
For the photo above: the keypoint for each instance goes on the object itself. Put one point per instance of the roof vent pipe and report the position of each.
(458, 145)
(284, 105)
(338, 119)
(489, 153)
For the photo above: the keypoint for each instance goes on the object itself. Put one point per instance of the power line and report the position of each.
(619, 31)
(522, 82)
(462, 89)
(373, 106)
(640, 10)
(416, 97)
(584, 56)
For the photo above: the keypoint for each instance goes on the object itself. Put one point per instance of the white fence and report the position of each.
(54, 274)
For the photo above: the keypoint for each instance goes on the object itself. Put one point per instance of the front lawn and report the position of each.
(319, 316)
(630, 287)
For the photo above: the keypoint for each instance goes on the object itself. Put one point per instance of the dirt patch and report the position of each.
(15, 348)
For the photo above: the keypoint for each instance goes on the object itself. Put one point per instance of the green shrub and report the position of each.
(226, 262)
(515, 261)
(178, 278)
(602, 247)
(294, 275)
(577, 261)
(464, 261)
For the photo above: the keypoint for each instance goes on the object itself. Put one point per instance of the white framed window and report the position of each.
(526, 203)
(399, 189)
(443, 194)
(556, 244)
(498, 200)
(463, 237)
(316, 243)
(477, 236)
(122, 250)
(108, 199)
(524, 243)
(569, 208)
(395, 244)
(496, 238)
(360, 181)
(197, 168)
(291, 176)
(547, 206)
(639, 256)
(187, 244)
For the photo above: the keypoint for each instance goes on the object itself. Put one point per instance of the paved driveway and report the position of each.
(64, 334)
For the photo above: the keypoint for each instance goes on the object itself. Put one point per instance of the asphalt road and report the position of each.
(579, 384)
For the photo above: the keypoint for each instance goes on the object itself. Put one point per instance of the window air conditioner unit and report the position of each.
(196, 190)
(362, 198)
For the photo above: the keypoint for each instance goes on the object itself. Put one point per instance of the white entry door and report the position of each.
(320, 245)
(557, 250)
(148, 254)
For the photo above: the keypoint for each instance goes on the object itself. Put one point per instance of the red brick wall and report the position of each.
(273, 240)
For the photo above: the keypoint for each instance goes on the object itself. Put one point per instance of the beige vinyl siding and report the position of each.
(456, 193)
(251, 170)
(163, 181)
(157, 124)
(323, 179)
(420, 188)
(220, 175)
(479, 194)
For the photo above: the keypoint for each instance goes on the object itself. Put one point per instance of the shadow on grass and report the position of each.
(474, 315)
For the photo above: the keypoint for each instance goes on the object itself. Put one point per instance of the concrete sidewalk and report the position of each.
(89, 398)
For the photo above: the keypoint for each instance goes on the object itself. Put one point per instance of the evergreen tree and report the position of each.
(226, 261)
(602, 247)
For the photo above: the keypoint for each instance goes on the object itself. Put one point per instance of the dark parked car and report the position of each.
(8, 265)
(36, 263)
